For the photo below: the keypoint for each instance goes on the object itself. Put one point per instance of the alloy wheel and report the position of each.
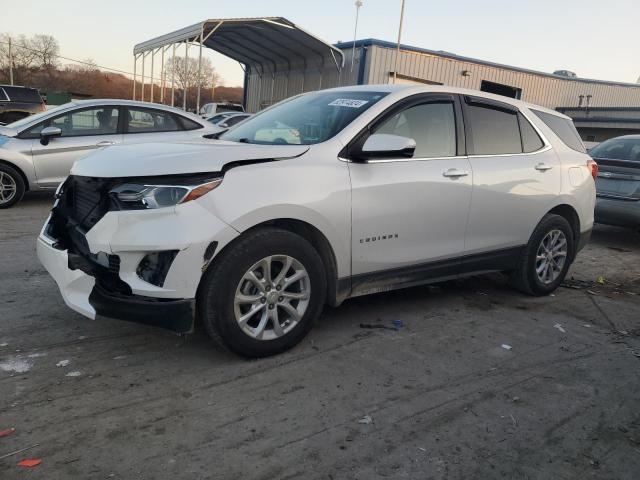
(272, 297)
(8, 188)
(551, 256)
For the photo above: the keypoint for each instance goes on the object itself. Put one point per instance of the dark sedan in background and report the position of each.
(618, 182)
(19, 102)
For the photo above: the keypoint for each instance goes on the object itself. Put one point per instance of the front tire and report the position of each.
(546, 258)
(12, 186)
(262, 295)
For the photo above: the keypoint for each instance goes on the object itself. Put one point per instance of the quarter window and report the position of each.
(431, 125)
(147, 121)
(493, 131)
(531, 141)
(563, 128)
(80, 123)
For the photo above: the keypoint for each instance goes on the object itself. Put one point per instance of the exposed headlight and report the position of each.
(144, 196)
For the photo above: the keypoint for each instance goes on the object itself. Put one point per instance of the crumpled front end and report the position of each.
(141, 265)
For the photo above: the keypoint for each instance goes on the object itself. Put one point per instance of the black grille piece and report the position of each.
(89, 200)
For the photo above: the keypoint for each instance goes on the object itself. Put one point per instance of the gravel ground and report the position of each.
(440, 398)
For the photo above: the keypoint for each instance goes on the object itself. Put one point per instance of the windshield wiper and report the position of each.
(243, 140)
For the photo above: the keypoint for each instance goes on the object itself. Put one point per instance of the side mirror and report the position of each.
(48, 133)
(384, 145)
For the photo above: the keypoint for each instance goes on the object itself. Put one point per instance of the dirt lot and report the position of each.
(445, 399)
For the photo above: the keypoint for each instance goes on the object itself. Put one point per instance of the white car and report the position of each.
(37, 152)
(224, 121)
(385, 187)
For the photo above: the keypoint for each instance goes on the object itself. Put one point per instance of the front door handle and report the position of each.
(105, 143)
(543, 167)
(455, 173)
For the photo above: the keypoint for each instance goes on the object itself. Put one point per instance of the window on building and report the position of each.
(500, 89)
(431, 125)
(563, 128)
(531, 141)
(492, 130)
(146, 121)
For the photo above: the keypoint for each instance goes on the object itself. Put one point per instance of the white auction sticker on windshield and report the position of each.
(348, 102)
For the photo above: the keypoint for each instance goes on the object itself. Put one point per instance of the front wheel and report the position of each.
(263, 294)
(11, 186)
(546, 258)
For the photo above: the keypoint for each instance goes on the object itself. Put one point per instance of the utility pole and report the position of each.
(395, 67)
(358, 4)
(10, 63)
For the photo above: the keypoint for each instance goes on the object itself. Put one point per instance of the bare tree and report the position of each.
(189, 78)
(46, 51)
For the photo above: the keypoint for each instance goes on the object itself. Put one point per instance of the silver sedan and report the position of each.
(37, 152)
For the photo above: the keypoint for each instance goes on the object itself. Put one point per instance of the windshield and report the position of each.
(618, 149)
(38, 116)
(305, 119)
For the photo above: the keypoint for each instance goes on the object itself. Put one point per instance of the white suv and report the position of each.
(325, 196)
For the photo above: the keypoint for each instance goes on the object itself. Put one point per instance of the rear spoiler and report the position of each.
(611, 162)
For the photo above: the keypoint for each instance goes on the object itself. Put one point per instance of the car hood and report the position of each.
(150, 159)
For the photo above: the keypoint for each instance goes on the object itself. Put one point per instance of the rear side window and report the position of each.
(531, 141)
(431, 125)
(3, 96)
(150, 121)
(189, 124)
(492, 131)
(563, 128)
(26, 95)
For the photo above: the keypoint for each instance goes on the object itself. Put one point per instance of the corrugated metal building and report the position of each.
(600, 109)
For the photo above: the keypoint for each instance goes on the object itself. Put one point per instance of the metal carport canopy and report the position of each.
(269, 44)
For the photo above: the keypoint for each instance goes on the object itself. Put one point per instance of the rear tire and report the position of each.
(12, 186)
(545, 260)
(246, 278)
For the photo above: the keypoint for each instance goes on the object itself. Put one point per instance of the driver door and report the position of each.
(409, 215)
(83, 131)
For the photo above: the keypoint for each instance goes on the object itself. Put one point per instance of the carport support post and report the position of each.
(173, 75)
(186, 72)
(199, 71)
(135, 64)
(142, 86)
(153, 52)
(162, 76)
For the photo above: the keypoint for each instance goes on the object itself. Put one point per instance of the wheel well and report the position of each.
(19, 170)
(317, 239)
(569, 213)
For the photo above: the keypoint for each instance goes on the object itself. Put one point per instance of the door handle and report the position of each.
(543, 167)
(105, 143)
(455, 173)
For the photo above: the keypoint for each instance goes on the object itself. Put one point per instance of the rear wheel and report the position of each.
(263, 294)
(546, 258)
(11, 186)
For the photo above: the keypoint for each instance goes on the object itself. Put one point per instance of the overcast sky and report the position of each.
(596, 39)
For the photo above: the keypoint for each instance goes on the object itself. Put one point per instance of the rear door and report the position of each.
(516, 177)
(83, 131)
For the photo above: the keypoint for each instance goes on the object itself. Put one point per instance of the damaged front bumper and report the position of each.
(142, 266)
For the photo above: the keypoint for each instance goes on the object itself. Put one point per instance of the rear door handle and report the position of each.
(543, 167)
(455, 173)
(105, 143)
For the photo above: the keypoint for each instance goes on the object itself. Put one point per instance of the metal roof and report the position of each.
(270, 44)
(367, 42)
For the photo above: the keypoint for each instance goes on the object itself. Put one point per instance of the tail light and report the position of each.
(593, 166)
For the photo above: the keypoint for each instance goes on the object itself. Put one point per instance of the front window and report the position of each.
(618, 149)
(304, 120)
(39, 116)
(80, 123)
